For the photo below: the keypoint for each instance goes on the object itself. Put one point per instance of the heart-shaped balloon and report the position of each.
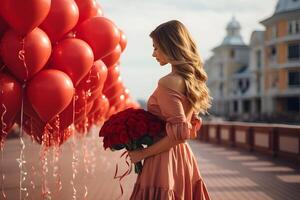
(49, 93)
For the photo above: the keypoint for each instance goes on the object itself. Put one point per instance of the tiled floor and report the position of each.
(237, 174)
(230, 174)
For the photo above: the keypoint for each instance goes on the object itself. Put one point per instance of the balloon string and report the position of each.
(74, 166)
(21, 159)
(56, 155)
(21, 56)
(3, 176)
(92, 151)
(46, 140)
(33, 170)
(85, 151)
(74, 152)
(3, 128)
(127, 172)
(85, 164)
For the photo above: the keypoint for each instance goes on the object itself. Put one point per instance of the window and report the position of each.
(274, 80)
(290, 28)
(246, 106)
(294, 79)
(221, 89)
(258, 85)
(274, 32)
(235, 106)
(221, 70)
(293, 104)
(258, 59)
(294, 27)
(272, 53)
(293, 51)
(232, 53)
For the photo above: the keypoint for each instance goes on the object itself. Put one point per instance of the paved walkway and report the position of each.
(230, 174)
(234, 174)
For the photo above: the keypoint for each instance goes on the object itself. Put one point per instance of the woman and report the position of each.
(170, 169)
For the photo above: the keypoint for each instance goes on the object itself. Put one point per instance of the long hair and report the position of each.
(176, 43)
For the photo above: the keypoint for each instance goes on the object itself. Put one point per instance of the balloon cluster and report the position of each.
(59, 67)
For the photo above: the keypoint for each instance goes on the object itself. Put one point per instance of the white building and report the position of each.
(227, 69)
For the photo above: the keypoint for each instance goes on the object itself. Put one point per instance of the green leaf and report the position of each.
(147, 140)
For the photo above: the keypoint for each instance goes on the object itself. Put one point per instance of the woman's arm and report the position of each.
(162, 145)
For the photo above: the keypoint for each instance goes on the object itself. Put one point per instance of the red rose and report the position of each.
(124, 138)
(141, 127)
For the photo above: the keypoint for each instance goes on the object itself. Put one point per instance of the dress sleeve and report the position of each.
(170, 103)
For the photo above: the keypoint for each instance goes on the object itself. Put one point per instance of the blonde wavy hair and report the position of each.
(176, 43)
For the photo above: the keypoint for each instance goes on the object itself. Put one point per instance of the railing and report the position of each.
(273, 139)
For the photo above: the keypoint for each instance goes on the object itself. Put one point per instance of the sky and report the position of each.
(206, 20)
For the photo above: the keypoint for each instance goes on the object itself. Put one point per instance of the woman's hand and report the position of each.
(196, 121)
(136, 156)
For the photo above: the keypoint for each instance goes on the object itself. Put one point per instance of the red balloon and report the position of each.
(113, 75)
(81, 108)
(112, 58)
(10, 102)
(24, 15)
(3, 27)
(32, 126)
(74, 57)
(2, 66)
(87, 9)
(37, 129)
(123, 40)
(63, 16)
(99, 10)
(95, 79)
(114, 90)
(49, 93)
(29, 111)
(103, 39)
(97, 103)
(37, 50)
(100, 115)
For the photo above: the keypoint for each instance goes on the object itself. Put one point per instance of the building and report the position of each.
(226, 71)
(259, 81)
(282, 60)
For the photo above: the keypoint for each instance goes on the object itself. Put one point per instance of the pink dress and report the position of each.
(171, 174)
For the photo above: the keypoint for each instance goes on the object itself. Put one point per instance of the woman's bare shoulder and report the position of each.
(174, 82)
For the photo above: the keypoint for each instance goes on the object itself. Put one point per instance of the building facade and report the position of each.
(261, 80)
(282, 60)
(226, 71)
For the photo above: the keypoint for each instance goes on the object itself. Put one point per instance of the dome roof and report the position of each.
(233, 36)
(233, 24)
(287, 5)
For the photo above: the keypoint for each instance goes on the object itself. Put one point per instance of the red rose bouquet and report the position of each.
(131, 129)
